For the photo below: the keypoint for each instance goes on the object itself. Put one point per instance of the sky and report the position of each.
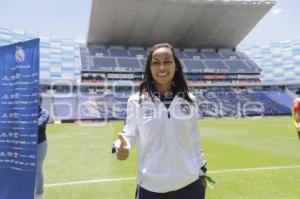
(62, 18)
(70, 18)
(282, 22)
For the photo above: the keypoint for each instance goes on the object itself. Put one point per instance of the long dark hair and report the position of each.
(178, 83)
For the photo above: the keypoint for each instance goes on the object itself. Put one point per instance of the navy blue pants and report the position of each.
(194, 190)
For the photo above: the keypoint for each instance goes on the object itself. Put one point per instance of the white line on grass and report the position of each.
(89, 181)
(254, 169)
(134, 178)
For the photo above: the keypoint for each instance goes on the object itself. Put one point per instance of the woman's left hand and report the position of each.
(204, 182)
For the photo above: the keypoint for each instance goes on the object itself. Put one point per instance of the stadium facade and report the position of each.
(59, 57)
(279, 61)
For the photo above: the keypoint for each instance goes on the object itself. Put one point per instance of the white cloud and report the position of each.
(276, 11)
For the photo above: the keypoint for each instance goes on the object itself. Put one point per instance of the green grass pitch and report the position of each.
(249, 158)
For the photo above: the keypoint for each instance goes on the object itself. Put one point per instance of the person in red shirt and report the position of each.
(296, 115)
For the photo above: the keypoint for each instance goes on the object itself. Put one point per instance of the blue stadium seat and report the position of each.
(137, 52)
(193, 54)
(194, 65)
(118, 52)
(84, 51)
(238, 66)
(216, 65)
(96, 51)
(104, 62)
(180, 54)
(227, 54)
(87, 62)
(130, 64)
(211, 55)
(143, 63)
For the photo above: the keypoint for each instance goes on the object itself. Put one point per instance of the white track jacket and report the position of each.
(168, 141)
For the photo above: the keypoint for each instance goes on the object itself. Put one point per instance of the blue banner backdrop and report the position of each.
(19, 86)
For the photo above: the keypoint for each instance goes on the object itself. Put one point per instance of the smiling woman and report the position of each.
(163, 73)
(162, 120)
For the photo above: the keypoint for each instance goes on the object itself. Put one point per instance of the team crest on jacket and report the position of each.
(148, 113)
(185, 108)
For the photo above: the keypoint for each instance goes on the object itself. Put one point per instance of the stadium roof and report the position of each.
(183, 23)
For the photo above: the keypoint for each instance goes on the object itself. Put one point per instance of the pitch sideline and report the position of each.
(133, 178)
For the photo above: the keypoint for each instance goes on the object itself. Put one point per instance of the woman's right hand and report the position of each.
(122, 150)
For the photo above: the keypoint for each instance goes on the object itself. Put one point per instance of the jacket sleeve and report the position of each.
(43, 117)
(130, 128)
(197, 142)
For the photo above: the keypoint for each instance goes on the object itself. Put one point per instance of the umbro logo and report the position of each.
(185, 108)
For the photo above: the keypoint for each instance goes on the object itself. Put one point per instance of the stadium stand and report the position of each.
(130, 64)
(104, 63)
(211, 55)
(137, 52)
(238, 66)
(194, 65)
(118, 52)
(217, 66)
(225, 77)
(193, 60)
(192, 54)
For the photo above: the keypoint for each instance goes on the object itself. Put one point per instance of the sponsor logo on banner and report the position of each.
(19, 54)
